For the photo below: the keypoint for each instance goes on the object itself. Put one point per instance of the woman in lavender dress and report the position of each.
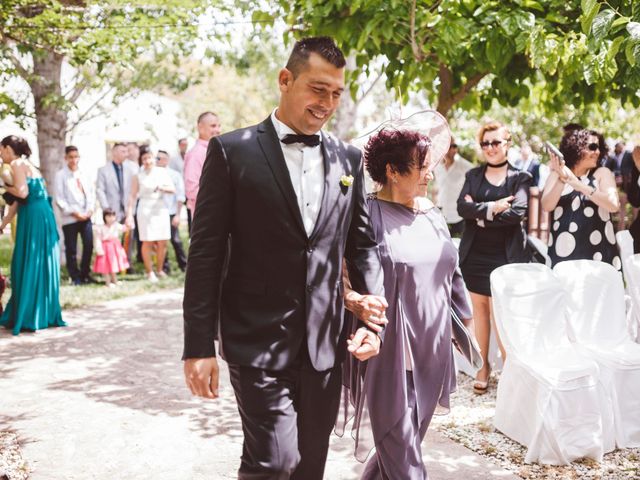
(399, 390)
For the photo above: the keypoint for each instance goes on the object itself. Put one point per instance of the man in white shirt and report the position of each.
(449, 179)
(177, 161)
(281, 206)
(174, 202)
(75, 196)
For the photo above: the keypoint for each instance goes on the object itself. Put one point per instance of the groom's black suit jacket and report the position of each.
(281, 287)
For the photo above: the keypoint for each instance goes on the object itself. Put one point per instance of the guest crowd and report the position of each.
(140, 194)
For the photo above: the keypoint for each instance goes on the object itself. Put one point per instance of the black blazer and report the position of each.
(628, 170)
(518, 183)
(281, 287)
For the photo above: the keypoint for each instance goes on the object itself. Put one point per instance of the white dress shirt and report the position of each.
(171, 200)
(449, 183)
(74, 193)
(306, 169)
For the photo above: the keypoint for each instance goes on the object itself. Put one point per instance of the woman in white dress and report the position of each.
(154, 229)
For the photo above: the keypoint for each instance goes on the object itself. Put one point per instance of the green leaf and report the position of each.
(629, 52)
(614, 48)
(620, 21)
(602, 24)
(634, 30)
(590, 9)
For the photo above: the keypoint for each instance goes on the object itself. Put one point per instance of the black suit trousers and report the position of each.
(71, 232)
(287, 418)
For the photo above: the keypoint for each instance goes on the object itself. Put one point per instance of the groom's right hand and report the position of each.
(201, 375)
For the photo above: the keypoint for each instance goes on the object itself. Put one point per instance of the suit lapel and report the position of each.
(332, 171)
(270, 145)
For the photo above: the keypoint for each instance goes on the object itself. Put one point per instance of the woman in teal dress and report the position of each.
(35, 265)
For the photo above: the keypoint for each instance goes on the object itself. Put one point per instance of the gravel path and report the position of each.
(471, 424)
(104, 398)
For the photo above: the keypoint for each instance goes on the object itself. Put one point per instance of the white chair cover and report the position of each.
(597, 318)
(625, 244)
(631, 269)
(548, 397)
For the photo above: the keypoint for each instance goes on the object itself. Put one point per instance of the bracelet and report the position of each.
(589, 195)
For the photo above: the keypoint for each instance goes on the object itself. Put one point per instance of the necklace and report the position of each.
(498, 165)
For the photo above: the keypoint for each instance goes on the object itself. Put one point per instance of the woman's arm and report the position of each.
(606, 195)
(368, 308)
(6, 220)
(19, 188)
(467, 207)
(519, 204)
(132, 200)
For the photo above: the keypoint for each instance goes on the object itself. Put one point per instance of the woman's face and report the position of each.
(7, 154)
(590, 155)
(147, 160)
(495, 146)
(415, 182)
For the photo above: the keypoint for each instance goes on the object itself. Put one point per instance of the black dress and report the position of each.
(488, 251)
(581, 230)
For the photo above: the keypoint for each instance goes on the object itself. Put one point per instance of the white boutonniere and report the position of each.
(346, 180)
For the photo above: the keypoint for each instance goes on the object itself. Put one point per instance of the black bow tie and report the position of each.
(308, 140)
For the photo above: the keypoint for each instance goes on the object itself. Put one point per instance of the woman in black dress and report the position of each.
(582, 197)
(494, 202)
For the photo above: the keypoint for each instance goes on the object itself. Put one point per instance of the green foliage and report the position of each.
(584, 52)
(129, 45)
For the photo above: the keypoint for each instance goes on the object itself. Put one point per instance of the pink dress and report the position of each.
(111, 257)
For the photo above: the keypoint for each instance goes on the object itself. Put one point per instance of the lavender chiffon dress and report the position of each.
(394, 395)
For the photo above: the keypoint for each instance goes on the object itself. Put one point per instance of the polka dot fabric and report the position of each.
(582, 230)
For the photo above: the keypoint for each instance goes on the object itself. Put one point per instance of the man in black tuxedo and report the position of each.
(281, 204)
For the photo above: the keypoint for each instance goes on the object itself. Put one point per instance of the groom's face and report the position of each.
(308, 100)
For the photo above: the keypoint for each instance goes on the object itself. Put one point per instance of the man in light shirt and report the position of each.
(174, 202)
(449, 179)
(208, 127)
(177, 161)
(290, 201)
(75, 196)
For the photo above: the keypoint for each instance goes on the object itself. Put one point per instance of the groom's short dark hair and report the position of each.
(323, 46)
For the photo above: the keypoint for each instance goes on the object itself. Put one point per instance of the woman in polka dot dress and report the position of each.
(582, 198)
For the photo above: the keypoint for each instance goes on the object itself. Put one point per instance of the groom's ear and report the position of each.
(285, 79)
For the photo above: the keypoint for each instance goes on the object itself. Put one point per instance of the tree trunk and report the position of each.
(51, 117)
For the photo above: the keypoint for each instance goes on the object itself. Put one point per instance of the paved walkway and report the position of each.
(104, 398)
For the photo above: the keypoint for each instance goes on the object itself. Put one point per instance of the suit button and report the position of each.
(309, 250)
(309, 288)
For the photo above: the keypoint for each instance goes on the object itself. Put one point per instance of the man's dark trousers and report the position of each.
(290, 434)
(176, 242)
(71, 232)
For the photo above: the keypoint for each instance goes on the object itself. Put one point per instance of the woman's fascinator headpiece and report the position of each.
(427, 122)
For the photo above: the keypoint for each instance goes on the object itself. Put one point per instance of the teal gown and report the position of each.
(35, 266)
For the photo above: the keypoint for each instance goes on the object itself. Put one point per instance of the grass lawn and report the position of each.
(78, 296)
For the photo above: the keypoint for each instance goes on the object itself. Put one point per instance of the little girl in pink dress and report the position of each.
(110, 255)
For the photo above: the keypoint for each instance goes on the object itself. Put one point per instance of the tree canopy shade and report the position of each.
(468, 52)
(105, 42)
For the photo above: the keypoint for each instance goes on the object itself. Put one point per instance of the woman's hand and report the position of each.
(502, 204)
(129, 223)
(369, 309)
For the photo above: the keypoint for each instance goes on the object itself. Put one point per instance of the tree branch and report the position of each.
(84, 115)
(467, 87)
(368, 90)
(23, 72)
(415, 48)
(77, 90)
